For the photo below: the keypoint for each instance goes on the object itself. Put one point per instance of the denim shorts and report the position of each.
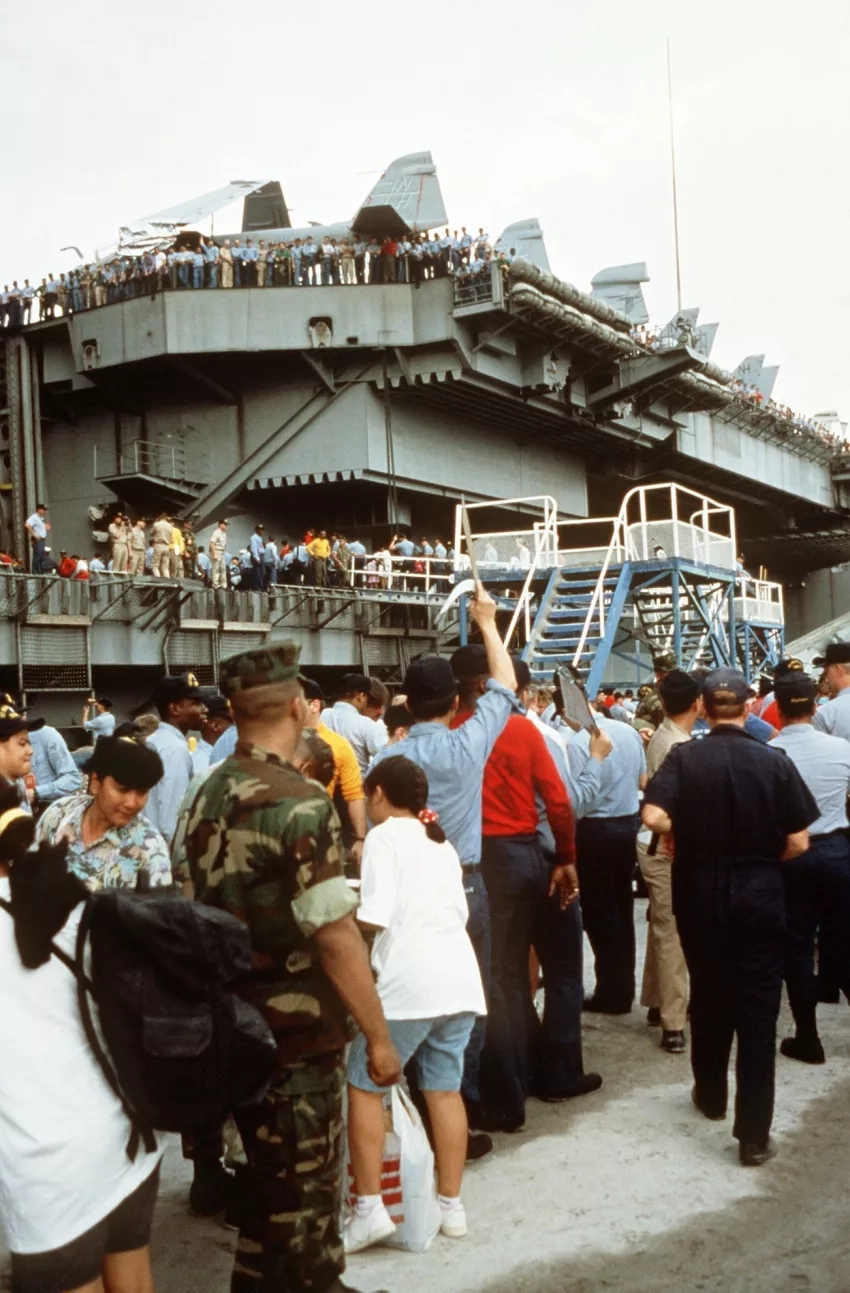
(436, 1047)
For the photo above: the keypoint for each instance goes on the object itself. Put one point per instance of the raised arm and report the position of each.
(483, 611)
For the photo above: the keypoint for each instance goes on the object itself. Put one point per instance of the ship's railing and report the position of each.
(758, 601)
(649, 514)
(497, 553)
(166, 459)
(483, 288)
(119, 599)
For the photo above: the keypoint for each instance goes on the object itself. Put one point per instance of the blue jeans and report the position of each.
(269, 273)
(237, 271)
(478, 929)
(197, 275)
(326, 271)
(817, 897)
(436, 1048)
(516, 874)
(77, 295)
(213, 274)
(558, 939)
(183, 275)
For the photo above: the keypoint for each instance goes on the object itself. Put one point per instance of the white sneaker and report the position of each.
(363, 1232)
(453, 1222)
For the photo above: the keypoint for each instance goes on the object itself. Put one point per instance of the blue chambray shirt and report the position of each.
(620, 773)
(164, 801)
(453, 761)
(824, 764)
(54, 769)
(834, 717)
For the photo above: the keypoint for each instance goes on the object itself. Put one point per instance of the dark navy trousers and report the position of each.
(817, 894)
(731, 921)
(516, 875)
(556, 1052)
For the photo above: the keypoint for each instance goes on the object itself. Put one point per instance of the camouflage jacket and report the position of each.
(650, 708)
(258, 840)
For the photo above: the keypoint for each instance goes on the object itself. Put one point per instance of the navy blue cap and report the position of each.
(725, 685)
(430, 678)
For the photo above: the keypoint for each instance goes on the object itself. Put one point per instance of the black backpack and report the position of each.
(179, 1047)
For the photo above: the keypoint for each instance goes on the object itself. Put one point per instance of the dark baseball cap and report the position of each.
(470, 661)
(725, 685)
(175, 687)
(794, 693)
(218, 707)
(11, 722)
(834, 653)
(789, 665)
(430, 678)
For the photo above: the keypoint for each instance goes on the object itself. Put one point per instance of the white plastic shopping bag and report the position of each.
(407, 1177)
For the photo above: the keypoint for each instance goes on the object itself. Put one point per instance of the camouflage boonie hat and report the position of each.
(665, 660)
(262, 667)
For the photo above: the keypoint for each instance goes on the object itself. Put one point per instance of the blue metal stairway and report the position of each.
(563, 612)
(647, 607)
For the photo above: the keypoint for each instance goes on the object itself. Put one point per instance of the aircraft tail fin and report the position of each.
(265, 209)
(406, 199)
(526, 238)
(620, 286)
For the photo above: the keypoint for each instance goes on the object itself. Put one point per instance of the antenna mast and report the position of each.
(673, 172)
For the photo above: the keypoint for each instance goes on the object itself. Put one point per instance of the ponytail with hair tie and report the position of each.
(431, 821)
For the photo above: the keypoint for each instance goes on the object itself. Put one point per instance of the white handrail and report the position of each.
(622, 541)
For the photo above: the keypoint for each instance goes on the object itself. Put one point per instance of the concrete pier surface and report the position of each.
(626, 1190)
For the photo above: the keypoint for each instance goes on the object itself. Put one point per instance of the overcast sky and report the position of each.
(543, 108)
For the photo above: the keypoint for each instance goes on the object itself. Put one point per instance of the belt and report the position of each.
(470, 868)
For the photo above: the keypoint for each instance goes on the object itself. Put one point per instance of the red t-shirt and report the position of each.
(770, 714)
(520, 767)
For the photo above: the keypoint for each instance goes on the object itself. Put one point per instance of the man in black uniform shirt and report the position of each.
(737, 810)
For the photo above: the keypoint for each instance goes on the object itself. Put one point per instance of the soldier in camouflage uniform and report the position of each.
(258, 840)
(649, 707)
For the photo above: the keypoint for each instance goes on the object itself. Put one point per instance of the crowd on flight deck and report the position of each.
(472, 829)
(194, 263)
(680, 332)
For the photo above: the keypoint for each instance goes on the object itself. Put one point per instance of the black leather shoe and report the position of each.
(794, 1048)
(653, 1017)
(709, 1114)
(478, 1145)
(673, 1042)
(587, 1082)
(756, 1155)
(594, 1006)
(828, 996)
(211, 1190)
